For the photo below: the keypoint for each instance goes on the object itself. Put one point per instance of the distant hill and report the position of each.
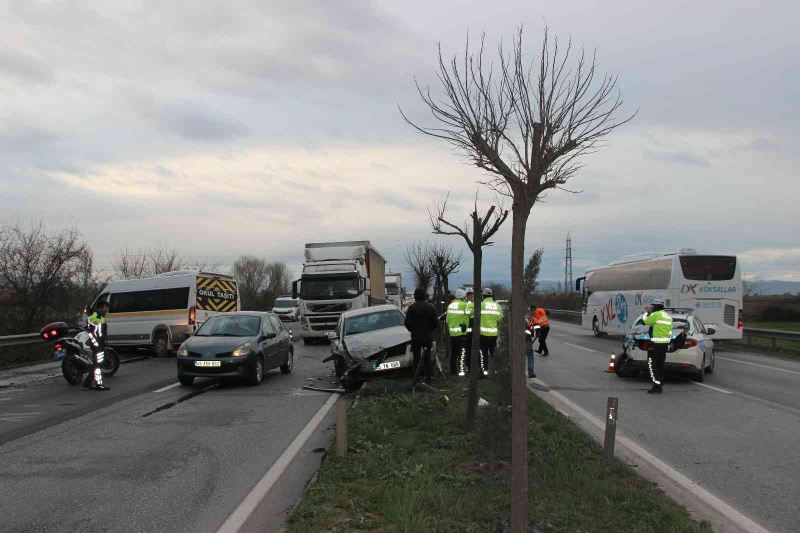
(772, 287)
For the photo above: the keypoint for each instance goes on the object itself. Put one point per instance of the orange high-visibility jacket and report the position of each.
(540, 318)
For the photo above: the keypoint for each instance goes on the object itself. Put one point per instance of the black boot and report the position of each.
(656, 389)
(100, 387)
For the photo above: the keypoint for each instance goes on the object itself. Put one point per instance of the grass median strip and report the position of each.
(410, 467)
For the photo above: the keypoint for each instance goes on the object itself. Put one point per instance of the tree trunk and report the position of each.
(519, 392)
(475, 365)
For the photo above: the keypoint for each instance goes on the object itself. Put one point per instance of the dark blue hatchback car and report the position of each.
(241, 345)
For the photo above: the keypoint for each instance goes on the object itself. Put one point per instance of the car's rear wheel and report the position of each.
(161, 344)
(257, 375)
(700, 376)
(596, 328)
(186, 381)
(287, 367)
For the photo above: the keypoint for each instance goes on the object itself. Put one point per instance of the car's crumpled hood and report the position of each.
(372, 342)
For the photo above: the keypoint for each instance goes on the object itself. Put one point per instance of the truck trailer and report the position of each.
(394, 289)
(337, 277)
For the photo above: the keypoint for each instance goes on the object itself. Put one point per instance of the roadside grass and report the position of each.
(411, 468)
(11, 356)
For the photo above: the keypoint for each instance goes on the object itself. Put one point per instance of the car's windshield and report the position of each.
(285, 302)
(230, 326)
(372, 322)
(328, 288)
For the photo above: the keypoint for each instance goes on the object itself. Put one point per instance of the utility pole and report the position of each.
(568, 265)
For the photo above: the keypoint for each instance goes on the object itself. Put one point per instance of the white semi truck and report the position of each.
(337, 277)
(394, 289)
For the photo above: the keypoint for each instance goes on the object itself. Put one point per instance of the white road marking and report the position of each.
(162, 389)
(579, 347)
(240, 515)
(744, 522)
(712, 388)
(762, 366)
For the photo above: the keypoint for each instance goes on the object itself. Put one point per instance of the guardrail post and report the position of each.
(611, 429)
(341, 427)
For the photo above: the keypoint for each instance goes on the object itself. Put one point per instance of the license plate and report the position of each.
(389, 365)
(59, 354)
(208, 363)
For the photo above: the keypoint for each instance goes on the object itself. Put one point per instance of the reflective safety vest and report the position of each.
(661, 323)
(456, 317)
(96, 321)
(491, 315)
(470, 315)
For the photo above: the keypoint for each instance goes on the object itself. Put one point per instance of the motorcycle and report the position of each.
(75, 353)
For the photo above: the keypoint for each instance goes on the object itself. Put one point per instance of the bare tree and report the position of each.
(278, 281)
(251, 276)
(418, 259)
(142, 262)
(530, 279)
(526, 123)
(483, 228)
(34, 266)
(444, 261)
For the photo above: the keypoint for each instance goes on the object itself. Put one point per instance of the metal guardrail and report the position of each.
(18, 340)
(774, 334)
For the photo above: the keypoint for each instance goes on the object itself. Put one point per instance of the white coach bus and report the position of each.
(710, 286)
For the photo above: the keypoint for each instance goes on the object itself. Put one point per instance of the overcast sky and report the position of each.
(230, 127)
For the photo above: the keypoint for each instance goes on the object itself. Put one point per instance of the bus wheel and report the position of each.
(596, 328)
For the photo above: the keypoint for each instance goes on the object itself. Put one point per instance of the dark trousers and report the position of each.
(543, 331)
(488, 344)
(456, 348)
(422, 360)
(656, 356)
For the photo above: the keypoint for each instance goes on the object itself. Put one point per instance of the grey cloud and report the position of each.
(24, 66)
(763, 144)
(681, 157)
(24, 136)
(194, 122)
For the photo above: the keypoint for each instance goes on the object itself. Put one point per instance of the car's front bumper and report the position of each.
(230, 367)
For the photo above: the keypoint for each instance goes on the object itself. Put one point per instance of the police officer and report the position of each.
(421, 321)
(457, 328)
(660, 334)
(97, 342)
(491, 315)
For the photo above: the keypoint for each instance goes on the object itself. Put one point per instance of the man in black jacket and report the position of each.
(421, 321)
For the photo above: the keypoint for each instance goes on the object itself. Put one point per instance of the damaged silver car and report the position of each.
(370, 342)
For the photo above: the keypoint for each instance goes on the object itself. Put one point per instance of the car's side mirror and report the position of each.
(187, 334)
(710, 331)
(268, 336)
(332, 336)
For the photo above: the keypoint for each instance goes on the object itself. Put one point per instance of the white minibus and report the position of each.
(161, 311)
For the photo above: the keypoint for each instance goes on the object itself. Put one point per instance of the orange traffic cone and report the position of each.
(612, 362)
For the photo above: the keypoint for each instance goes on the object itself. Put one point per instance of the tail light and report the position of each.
(690, 343)
(192, 315)
(291, 335)
(645, 345)
(741, 318)
(58, 346)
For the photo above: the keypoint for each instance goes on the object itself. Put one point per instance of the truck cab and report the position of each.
(337, 277)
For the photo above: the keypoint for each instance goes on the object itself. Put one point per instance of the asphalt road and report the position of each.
(149, 457)
(737, 434)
